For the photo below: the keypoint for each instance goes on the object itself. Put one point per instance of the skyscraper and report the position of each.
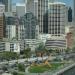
(27, 27)
(40, 9)
(57, 18)
(20, 9)
(7, 4)
(69, 14)
(42, 15)
(2, 27)
(74, 10)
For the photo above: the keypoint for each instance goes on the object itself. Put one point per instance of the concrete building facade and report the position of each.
(8, 4)
(20, 9)
(40, 10)
(56, 18)
(14, 46)
(2, 27)
(10, 26)
(59, 43)
(27, 27)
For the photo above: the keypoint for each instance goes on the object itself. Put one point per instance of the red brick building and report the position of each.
(69, 38)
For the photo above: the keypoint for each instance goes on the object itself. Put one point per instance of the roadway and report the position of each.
(29, 60)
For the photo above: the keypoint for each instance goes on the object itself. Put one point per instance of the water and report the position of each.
(69, 72)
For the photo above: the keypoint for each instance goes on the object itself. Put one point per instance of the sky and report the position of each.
(68, 2)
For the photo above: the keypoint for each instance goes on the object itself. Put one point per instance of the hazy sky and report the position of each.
(68, 2)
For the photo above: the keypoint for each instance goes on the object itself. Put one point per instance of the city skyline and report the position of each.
(37, 37)
(68, 2)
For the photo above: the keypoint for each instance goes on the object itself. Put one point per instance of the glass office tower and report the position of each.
(7, 4)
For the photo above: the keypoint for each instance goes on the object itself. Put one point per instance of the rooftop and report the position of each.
(60, 3)
(7, 14)
(20, 4)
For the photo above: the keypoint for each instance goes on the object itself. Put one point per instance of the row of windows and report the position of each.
(57, 45)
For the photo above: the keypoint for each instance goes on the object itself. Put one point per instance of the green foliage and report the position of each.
(43, 68)
(21, 67)
(40, 47)
(4, 68)
(27, 53)
(15, 73)
(8, 55)
(67, 50)
(20, 74)
(39, 69)
(73, 49)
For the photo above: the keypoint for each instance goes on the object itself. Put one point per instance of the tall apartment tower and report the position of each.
(2, 10)
(7, 4)
(74, 10)
(57, 18)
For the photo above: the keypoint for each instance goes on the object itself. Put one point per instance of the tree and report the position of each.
(27, 53)
(7, 56)
(67, 50)
(21, 67)
(73, 49)
(15, 73)
(41, 49)
(48, 52)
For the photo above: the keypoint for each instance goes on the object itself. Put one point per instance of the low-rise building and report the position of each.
(32, 43)
(56, 43)
(13, 45)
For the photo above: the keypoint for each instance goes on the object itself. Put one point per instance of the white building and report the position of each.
(10, 25)
(2, 8)
(14, 46)
(11, 31)
(56, 18)
(13, 9)
(32, 43)
(20, 9)
(56, 43)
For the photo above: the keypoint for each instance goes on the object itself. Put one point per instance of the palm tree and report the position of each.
(41, 49)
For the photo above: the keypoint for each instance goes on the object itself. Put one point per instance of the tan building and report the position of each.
(1, 27)
(2, 10)
(69, 38)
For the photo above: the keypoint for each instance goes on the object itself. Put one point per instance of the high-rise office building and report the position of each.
(10, 25)
(40, 9)
(27, 27)
(2, 27)
(70, 14)
(32, 6)
(74, 10)
(7, 4)
(56, 18)
(42, 15)
(20, 9)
